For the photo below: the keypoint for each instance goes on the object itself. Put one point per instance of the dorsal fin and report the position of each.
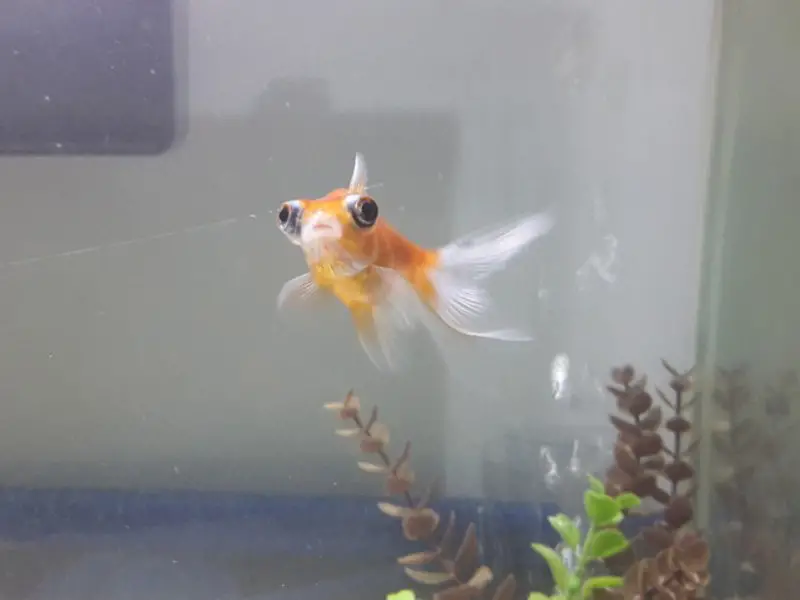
(358, 181)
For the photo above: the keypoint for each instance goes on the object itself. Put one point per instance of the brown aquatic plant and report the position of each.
(448, 560)
(752, 486)
(652, 459)
(678, 572)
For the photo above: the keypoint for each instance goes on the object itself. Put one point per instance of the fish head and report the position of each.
(341, 223)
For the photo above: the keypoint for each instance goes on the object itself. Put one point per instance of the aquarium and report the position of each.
(228, 228)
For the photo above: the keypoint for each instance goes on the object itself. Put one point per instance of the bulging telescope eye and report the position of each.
(284, 213)
(364, 211)
(289, 218)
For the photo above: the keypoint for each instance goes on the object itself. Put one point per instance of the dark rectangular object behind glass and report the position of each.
(86, 77)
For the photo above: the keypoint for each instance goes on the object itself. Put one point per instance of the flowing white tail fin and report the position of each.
(461, 300)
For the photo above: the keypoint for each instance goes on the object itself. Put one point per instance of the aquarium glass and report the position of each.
(749, 329)
(163, 426)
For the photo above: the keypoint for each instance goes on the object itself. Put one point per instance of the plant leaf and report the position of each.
(602, 510)
(605, 543)
(401, 595)
(567, 529)
(392, 510)
(418, 558)
(627, 500)
(428, 577)
(558, 569)
(481, 578)
(534, 596)
(596, 485)
(606, 581)
(369, 467)
(348, 432)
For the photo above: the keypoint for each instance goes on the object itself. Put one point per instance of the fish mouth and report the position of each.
(319, 228)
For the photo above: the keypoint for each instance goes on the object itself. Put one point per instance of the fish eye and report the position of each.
(289, 218)
(364, 211)
(284, 213)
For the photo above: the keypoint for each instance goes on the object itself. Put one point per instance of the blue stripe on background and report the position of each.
(214, 545)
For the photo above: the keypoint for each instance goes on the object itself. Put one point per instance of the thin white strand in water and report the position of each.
(140, 240)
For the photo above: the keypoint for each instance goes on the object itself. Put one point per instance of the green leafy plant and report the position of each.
(602, 540)
(402, 595)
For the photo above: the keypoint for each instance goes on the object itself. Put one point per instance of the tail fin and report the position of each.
(461, 301)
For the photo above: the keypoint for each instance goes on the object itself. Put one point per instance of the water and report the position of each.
(162, 430)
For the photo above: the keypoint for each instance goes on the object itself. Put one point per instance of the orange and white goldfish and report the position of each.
(387, 282)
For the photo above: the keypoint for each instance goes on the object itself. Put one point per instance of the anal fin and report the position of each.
(393, 311)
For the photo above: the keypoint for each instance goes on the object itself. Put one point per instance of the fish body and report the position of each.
(388, 283)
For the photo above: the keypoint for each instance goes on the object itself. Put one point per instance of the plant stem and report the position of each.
(677, 436)
(580, 570)
(382, 453)
(446, 566)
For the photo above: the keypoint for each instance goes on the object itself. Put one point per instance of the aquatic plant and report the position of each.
(402, 595)
(445, 562)
(754, 490)
(666, 559)
(602, 541)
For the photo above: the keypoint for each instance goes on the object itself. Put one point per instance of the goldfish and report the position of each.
(387, 282)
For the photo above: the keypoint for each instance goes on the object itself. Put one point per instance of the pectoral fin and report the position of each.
(300, 291)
